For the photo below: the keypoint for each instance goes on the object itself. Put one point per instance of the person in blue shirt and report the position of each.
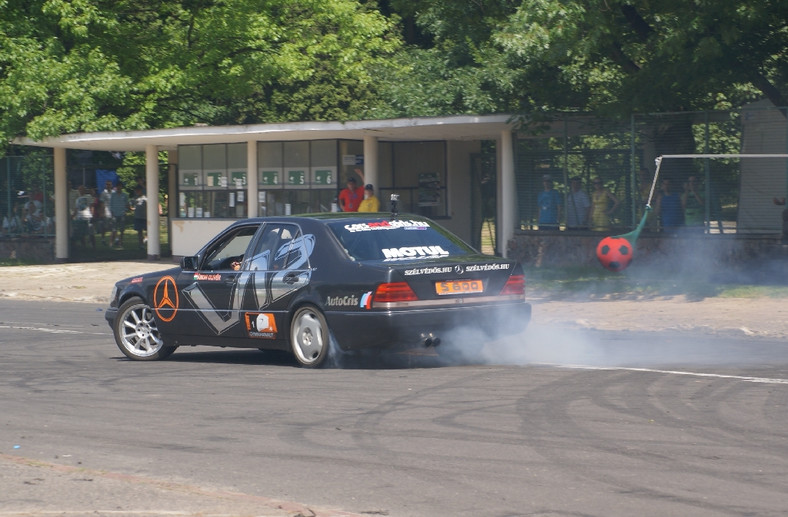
(549, 204)
(669, 210)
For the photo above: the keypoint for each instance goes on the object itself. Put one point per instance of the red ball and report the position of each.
(614, 253)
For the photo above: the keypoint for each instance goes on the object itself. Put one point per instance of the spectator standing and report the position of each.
(104, 214)
(140, 215)
(603, 206)
(83, 218)
(669, 209)
(118, 205)
(549, 204)
(370, 203)
(578, 206)
(351, 196)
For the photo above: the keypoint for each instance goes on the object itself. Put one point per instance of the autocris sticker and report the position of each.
(366, 300)
(261, 325)
(408, 252)
(342, 301)
(386, 225)
(216, 277)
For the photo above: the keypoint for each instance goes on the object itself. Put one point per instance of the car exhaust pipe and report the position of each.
(431, 340)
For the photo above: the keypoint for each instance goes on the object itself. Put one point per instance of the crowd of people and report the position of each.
(28, 215)
(93, 215)
(98, 215)
(674, 209)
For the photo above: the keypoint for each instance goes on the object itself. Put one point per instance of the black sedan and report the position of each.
(320, 285)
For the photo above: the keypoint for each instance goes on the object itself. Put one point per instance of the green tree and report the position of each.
(608, 56)
(105, 65)
(635, 55)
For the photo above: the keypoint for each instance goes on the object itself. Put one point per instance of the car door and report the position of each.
(211, 291)
(277, 268)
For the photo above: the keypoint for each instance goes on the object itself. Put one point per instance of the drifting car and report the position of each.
(366, 281)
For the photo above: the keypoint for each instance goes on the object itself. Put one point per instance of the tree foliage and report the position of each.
(616, 56)
(105, 65)
(665, 55)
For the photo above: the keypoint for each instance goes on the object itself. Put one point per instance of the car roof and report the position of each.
(328, 217)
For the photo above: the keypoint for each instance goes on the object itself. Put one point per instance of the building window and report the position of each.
(212, 181)
(296, 177)
(305, 177)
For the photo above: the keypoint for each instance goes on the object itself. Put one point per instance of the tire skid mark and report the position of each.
(585, 421)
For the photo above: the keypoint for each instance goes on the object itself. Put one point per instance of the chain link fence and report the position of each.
(613, 164)
(27, 200)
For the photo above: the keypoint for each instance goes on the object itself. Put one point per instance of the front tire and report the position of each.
(309, 337)
(136, 333)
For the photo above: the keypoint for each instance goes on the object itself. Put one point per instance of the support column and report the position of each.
(172, 189)
(252, 206)
(507, 207)
(62, 217)
(371, 162)
(152, 193)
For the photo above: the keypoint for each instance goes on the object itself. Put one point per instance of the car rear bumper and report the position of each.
(404, 329)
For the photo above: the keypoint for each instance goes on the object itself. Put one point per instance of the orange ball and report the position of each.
(614, 253)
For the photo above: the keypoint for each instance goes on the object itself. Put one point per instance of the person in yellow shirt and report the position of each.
(370, 203)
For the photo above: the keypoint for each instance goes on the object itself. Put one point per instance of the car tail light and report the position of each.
(515, 285)
(394, 292)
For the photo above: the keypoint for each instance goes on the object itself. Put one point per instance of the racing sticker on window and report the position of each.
(261, 325)
(386, 225)
(408, 252)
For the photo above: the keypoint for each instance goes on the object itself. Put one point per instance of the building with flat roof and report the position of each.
(218, 174)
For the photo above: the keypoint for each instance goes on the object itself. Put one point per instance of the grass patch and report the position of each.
(15, 262)
(755, 291)
(597, 283)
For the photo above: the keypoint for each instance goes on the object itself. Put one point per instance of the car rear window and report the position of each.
(397, 239)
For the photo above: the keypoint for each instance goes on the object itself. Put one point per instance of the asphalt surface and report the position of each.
(578, 417)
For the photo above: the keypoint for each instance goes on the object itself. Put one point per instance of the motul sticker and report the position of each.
(414, 252)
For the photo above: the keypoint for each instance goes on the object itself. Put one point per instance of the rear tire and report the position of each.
(136, 333)
(309, 337)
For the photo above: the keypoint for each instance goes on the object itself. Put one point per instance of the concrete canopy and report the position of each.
(464, 127)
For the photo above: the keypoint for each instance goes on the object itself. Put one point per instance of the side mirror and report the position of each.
(189, 263)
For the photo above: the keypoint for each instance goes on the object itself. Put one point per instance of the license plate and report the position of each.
(459, 287)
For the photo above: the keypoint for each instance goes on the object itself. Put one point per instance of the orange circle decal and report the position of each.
(165, 298)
